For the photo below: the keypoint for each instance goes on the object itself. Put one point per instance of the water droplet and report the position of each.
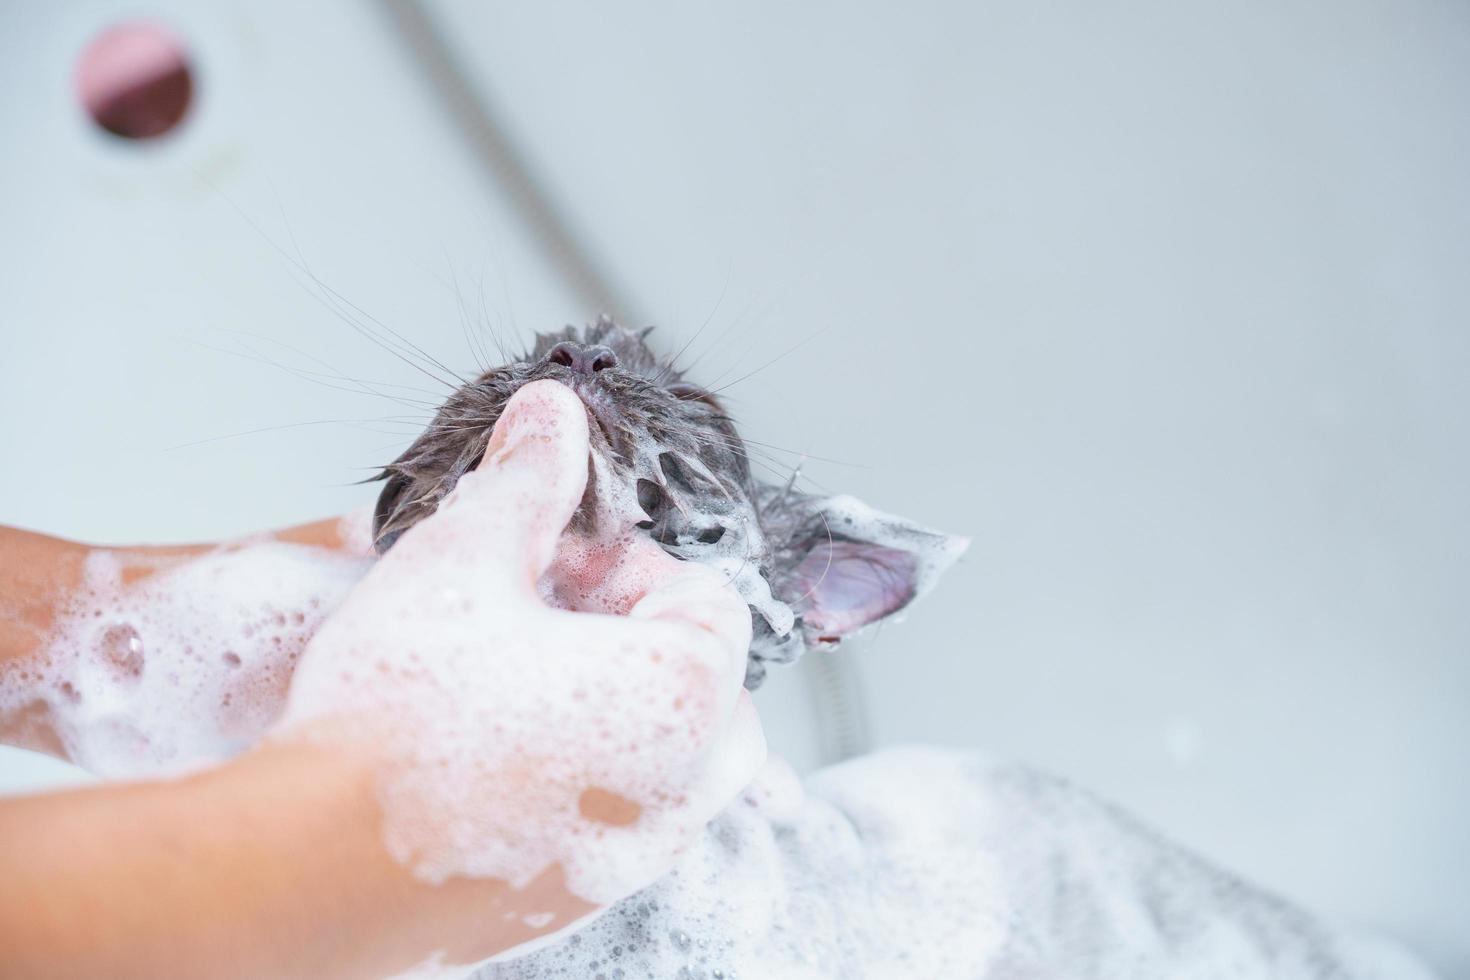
(122, 648)
(681, 940)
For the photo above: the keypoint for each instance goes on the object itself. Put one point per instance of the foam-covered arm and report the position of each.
(42, 577)
(34, 570)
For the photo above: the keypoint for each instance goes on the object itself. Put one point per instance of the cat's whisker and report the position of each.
(353, 386)
(670, 367)
(488, 323)
(332, 370)
(298, 263)
(353, 423)
(779, 357)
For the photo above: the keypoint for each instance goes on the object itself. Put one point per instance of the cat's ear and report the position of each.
(841, 565)
(387, 523)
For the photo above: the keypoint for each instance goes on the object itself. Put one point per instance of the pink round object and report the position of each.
(134, 80)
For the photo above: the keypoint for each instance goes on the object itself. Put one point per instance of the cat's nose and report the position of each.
(582, 358)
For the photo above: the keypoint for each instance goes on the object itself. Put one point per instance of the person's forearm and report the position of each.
(273, 865)
(39, 576)
(36, 573)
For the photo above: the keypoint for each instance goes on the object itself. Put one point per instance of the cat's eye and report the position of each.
(686, 392)
(649, 497)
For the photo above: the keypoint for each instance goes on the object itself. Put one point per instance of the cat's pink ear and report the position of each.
(843, 586)
(844, 566)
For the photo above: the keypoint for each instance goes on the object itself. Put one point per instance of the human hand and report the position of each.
(508, 736)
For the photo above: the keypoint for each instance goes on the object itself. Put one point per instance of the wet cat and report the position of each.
(814, 569)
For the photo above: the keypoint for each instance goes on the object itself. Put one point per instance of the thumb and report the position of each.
(516, 503)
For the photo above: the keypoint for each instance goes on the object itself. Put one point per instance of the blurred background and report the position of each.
(1165, 304)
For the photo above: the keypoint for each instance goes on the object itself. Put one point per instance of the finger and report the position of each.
(734, 759)
(701, 597)
(589, 576)
(521, 496)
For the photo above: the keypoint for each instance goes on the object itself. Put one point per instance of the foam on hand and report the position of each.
(501, 713)
(186, 666)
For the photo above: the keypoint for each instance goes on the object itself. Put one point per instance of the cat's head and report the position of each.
(813, 569)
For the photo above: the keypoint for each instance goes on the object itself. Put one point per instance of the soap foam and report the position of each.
(705, 504)
(185, 667)
(934, 864)
(787, 886)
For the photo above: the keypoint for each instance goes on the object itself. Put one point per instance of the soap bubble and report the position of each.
(122, 648)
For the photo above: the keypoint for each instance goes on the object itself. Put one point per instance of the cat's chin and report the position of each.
(600, 575)
(604, 561)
